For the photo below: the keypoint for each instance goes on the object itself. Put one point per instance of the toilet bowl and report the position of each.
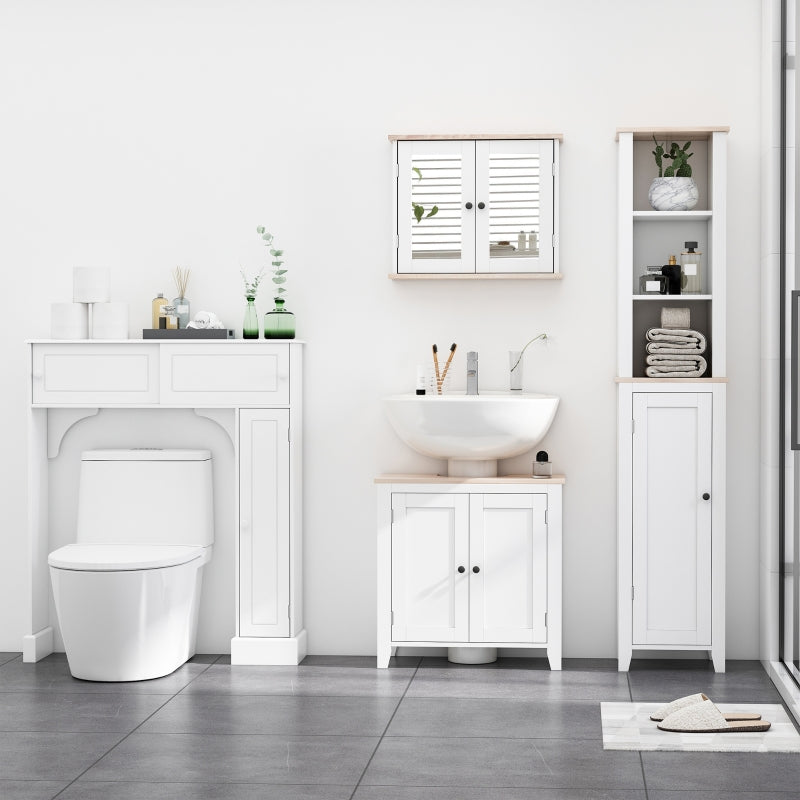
(127, 593)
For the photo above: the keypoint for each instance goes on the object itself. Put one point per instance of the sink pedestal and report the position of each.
(466, 468)
(472, 655)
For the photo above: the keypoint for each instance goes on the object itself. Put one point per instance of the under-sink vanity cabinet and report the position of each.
(469, 562)
(476, 206)
(253, 391)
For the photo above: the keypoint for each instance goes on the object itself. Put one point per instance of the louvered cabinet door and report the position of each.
(515, 184)
(435, 207)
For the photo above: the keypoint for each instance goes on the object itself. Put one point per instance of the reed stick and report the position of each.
(181, 277)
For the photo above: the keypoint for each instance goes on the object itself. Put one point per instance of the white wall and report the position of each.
(153, 134)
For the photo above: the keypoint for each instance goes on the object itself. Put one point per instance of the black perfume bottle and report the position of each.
(673, 273)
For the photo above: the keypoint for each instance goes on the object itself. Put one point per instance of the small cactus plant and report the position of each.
(680, 167)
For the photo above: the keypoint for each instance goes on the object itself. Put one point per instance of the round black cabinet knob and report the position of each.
(476, 569)
(462, 569)
(706, 496)
(468, 205)
(481, 205)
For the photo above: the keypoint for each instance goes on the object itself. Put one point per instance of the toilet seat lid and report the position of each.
(121, 557)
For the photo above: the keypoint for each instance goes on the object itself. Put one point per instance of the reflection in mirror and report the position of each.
(513, 206)
(436, 206)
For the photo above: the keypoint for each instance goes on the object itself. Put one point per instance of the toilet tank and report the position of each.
(146, 496)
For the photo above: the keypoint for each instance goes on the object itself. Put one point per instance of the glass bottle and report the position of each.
(250, 324)
(691, 270)
(158, 309)
(279, 323)
(182, 308)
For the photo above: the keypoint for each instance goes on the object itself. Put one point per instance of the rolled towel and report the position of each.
(678, 337)
(205, 319)
(675, 317)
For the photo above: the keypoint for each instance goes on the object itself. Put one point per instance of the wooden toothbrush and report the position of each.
(436, 366)
(447, 365)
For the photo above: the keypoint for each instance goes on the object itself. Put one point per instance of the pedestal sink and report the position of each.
(471, 431)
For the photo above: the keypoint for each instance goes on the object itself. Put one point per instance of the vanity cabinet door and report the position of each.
(435, 175)
(508, 548)
(672, 509)
(430, 541)
(264, 567)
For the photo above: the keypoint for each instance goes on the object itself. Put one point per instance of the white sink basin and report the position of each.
(471, 431)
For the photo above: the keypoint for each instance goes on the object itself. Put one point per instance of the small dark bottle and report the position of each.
(673, 273)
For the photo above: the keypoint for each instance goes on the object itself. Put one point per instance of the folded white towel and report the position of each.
(678, 337)
(675, 366)
(669, 348)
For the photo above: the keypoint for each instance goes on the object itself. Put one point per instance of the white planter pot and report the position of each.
(673, 194)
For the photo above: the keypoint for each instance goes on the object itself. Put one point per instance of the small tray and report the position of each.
(188, 333)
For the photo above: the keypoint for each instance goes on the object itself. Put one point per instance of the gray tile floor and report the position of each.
(336, 728)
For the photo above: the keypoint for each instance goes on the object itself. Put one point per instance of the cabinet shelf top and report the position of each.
(468, 137)
(701, 132)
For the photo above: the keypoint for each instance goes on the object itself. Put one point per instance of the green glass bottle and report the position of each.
(279, 323)
(250, 324)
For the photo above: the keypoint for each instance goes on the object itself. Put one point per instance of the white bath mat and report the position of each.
(627, 726)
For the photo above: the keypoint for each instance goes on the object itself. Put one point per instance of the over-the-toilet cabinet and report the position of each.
(467, 562)
(253, 390)
(671, 431)
(487, 205)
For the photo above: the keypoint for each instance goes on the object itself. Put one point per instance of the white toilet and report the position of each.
(127, 592)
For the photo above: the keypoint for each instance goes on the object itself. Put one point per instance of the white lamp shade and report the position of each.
(90, 285)
(110, 321)
(69, 321)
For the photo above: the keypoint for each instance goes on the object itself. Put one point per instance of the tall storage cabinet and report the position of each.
(671, 431)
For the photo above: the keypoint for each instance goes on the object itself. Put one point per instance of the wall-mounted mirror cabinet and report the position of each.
(479, 206)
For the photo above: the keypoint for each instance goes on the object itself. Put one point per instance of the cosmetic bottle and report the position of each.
(521, 241)
(158, 309)
(533, 243)
(420, 379)
(542, 468)
(673, 273)
(691, 269)
(171, 315)
(653, 282)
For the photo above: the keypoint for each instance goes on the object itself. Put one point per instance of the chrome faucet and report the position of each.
(472, 372)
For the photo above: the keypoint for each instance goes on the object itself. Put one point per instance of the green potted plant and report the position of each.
(674, 189)
(278, 323)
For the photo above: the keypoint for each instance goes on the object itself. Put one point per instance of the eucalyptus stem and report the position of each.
(535, 338)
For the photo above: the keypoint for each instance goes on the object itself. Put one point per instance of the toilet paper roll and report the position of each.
(90, 285)
(69, 321)
(110, 321)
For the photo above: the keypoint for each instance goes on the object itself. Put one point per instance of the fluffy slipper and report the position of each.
(705, 717)
(691, 700)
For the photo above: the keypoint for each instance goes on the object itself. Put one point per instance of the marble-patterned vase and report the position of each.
(673, 194)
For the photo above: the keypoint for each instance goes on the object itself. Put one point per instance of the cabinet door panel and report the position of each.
(264, 523)
(671, 520)
(440, 175)
(429, 543)
(508, 544)
(515, 182)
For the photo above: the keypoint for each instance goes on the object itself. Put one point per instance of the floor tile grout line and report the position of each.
(380, 739)
(168, 699)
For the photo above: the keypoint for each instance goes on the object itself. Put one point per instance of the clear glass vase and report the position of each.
(250, 324)
(279, 323)
(182, 307)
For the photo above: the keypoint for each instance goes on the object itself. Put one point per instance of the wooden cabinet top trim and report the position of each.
(440, 479)
(469, 137)
(702, 132)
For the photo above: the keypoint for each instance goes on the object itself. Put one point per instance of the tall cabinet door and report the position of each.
(508, 568)
(672, 518)
(430, 578)
(264, 522)
(436, 175)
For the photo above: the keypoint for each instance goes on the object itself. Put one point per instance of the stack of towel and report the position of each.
(675, 352)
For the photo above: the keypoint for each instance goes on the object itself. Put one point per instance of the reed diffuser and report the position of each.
(181, 302)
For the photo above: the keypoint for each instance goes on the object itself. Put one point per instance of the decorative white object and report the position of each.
(671, 432)
(673, 194)
(469, 564)
(205, 319)
(90, 285)
(257, 384)
(127, 592)
(109, 321)
(69, 321)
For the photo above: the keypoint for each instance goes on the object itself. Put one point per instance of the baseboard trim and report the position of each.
(36, 646)
(250, 650)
